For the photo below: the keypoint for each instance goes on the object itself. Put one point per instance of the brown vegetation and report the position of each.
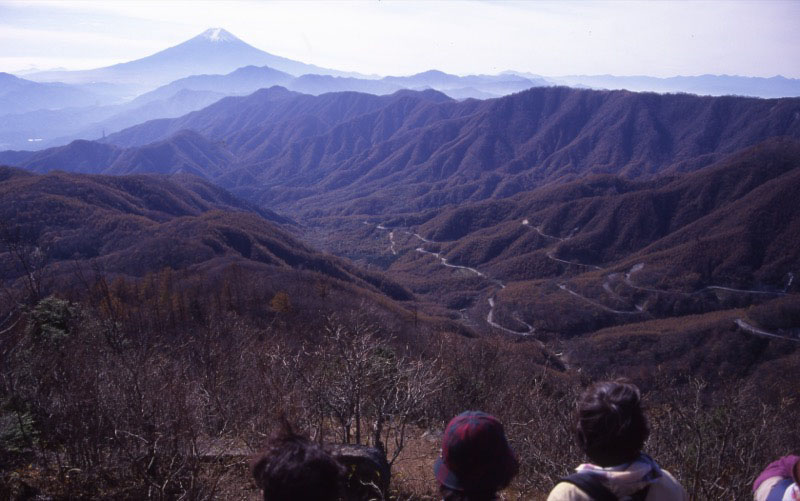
(154, 329)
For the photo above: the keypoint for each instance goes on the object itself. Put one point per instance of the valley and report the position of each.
(212, 238)
(610, 282)
(524, 215)
(491, 229)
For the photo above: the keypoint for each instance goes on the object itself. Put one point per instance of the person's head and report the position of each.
(476, 459)
(292, 467)
(611, 427)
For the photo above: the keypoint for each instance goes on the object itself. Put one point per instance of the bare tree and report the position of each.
(371, 389)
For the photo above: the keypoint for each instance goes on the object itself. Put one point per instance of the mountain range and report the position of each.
(353, 153)
(709, 85)
(58, 124)
(88, 104)
(558, 194)
(551, 211)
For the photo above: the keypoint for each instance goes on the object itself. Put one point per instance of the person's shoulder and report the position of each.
(667, 487)
(564, 491)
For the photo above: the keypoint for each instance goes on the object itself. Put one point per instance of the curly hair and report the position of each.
(292, 467)
(611, 427)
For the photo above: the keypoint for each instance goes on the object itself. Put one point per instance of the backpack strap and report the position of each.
(591, 485)
(778, 490)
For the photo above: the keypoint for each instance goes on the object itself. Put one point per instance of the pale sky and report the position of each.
(401, 37)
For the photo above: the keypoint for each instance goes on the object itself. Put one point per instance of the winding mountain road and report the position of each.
(538, 230)
(420, 237)
(639, 266)
(445, 263)
(392, 246)
(759, 332)
(627, 279)
(564, 287)
(551, 253)
(490, 316)
(490, 321)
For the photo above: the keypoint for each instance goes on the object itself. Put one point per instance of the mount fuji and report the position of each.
(215, 51)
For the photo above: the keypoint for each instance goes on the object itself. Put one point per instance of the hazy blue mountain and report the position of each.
(215, 51)
(19, 95)
(181, 103)
(41, 129)
(477, 86)
(11, 157)
(90, 157)
(711, 85)
(35, 130)
(320, 84)
(184, 152)
(245, 80)
(469, 93)
(298, 114)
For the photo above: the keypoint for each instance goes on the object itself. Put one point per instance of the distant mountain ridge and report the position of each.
(251, 78)
(213, 51)
(185, 152)
(19, 95)
(244, 80)
(708, 85)
(476, 86)
(217, 51)
(350, 151)
(216, 63)
(57, 127)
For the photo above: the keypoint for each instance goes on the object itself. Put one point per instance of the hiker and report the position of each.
(780, 481)
(476, 461)
(293, 468)
(611, 429)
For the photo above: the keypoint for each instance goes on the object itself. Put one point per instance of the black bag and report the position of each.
(594, 487)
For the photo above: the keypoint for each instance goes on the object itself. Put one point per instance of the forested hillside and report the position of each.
(381, 263)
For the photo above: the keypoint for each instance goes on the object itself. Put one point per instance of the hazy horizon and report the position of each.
(660, 39)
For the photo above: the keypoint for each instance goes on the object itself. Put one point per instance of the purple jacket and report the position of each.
(781, 468)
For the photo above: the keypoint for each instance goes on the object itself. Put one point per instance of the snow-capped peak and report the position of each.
(217, 35)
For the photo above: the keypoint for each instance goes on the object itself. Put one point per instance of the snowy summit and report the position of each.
(218, 35)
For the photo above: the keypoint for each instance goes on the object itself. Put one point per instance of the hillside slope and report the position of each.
(134, 225)
(604, 251)
(354, 153)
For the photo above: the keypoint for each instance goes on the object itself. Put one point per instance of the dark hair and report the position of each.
(449, 494)
(292, 467)
(611, 427)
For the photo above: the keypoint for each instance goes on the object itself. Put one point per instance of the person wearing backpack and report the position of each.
(611, 429)
(780, 481)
